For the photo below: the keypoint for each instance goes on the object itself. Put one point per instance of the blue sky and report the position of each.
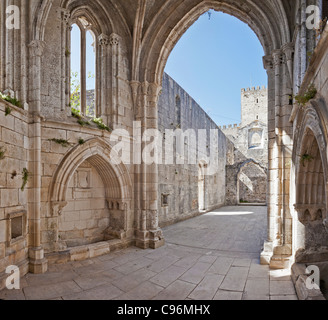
(214, 60)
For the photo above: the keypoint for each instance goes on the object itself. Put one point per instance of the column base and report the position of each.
(150, 239)
(267, 253)
(38, 264)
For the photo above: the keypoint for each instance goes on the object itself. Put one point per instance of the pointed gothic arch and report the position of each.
(98, 153)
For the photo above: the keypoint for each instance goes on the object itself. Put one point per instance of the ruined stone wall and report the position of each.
(14, 148)
(176, 109)
(249, 143)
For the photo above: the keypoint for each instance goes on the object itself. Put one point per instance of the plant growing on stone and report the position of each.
(7, 111)
(25, 178)
(67, 52)
(81, 141)
(100, 124)
(306, 158)
(62, 142)
(11, 100)
(309, 95)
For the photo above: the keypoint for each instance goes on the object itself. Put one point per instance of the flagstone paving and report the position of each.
(210, 257)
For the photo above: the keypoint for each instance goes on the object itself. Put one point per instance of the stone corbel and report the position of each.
(57, 208)
(268, 63)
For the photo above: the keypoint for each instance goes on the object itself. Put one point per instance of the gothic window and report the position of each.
(83, 67)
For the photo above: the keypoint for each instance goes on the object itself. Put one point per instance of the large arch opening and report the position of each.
(207, 191)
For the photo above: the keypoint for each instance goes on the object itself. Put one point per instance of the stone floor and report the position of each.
(211, 257)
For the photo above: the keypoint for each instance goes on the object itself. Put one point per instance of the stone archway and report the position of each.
(310, 160)
(88, 164)
(269, 22)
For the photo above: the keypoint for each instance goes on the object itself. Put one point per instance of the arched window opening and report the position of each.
(83, 68)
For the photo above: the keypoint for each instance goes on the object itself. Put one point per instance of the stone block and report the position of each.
(99, 249)
(79, 253)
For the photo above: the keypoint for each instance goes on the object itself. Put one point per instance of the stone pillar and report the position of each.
(38, 264)
(102, 84)
(272, 155)
(114, 42)
(148, 233)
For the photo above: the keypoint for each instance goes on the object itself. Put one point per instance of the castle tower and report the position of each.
(254, 105)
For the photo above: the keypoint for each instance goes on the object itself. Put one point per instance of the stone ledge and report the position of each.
(89, 251)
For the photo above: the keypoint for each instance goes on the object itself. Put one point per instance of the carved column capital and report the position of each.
(64, 15)
(36, 48)
(277, 57)
(288, 50)
(103, 40)
(114, 39)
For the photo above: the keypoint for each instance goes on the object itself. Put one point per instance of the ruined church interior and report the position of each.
(84, 214)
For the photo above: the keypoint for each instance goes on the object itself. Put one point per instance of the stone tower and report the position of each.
(254, 105)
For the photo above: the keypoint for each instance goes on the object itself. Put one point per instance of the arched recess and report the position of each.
(173, 19)
(251, 183)
(115, 177)
(310, 176)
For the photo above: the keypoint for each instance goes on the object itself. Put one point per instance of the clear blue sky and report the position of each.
(214, 60)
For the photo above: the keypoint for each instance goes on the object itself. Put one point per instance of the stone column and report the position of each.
(272, 155)
(114, 42)
(38, 264)
(148, 233)
(156, 238)
(102, 98)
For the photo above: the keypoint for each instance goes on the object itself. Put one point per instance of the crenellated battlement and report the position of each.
(253, 89)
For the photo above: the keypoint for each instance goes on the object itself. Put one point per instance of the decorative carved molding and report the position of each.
(309, 212)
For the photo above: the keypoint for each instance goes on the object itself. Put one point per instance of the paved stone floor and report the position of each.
(210, 257)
